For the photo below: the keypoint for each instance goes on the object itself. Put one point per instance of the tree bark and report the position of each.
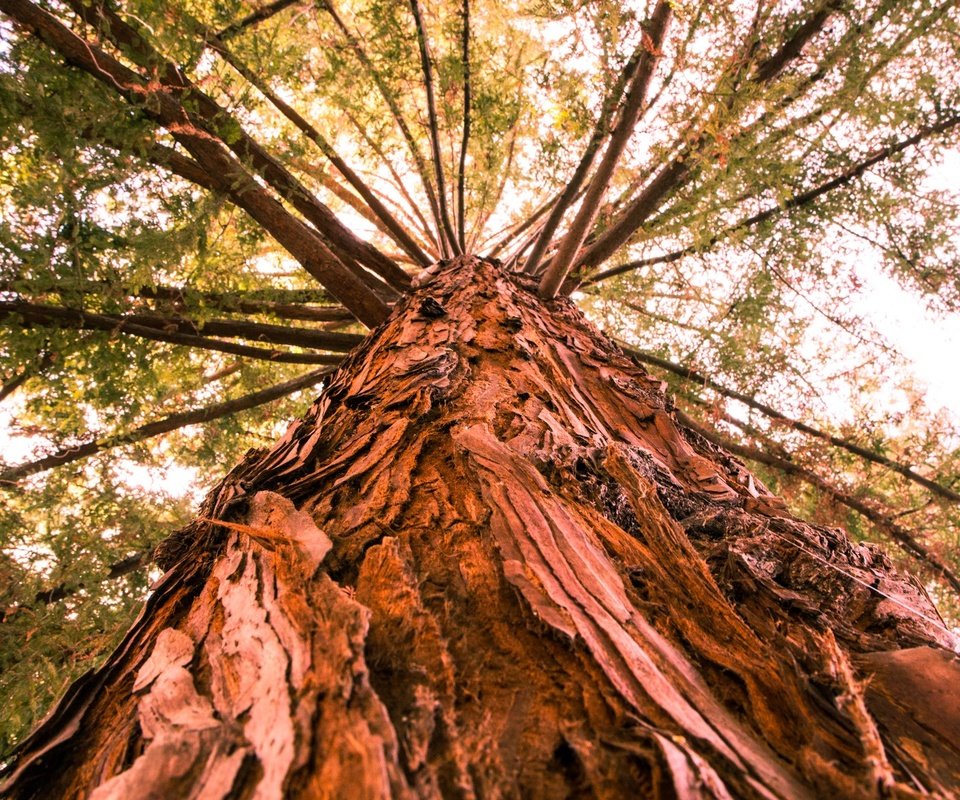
(489, 562)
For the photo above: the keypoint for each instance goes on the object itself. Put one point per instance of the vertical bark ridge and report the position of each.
(538, 584)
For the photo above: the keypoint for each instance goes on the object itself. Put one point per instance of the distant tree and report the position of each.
(497, 556)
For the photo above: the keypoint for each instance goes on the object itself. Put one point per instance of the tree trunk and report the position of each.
(490, 563)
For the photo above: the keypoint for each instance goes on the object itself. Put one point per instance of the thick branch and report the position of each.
(229, 176)
(679, 169)
(571, 243)
(283, 303)
(254, 331)
(168, 158)
(666, 180)
(572, 190)
(214, 119)
(771, 67)
(165, 425)
(427, 70)
(782, 419)
(82, 320)
(171, 159)
(289, 311)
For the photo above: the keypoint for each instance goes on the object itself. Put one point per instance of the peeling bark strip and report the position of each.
(489, 562)
(270, 669)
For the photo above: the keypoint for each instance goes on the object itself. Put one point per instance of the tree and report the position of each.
(494, 557)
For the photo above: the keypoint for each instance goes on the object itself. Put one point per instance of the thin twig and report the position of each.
(167, 424)
(260, 15)
(461, 173)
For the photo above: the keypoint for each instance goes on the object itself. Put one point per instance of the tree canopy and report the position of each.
(204, 206)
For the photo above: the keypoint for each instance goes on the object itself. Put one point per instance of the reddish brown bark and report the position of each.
(489, 562)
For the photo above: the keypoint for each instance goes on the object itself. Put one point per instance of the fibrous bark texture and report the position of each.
(489, 563)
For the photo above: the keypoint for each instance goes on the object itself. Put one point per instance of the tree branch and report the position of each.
(165, 425)
(600, 132)
(170, 159)
(771, 67)
(401, 123)
(260, 15)
(214, 119)
(283, 303)
(782, 419)
(484, 209)
(669, 178)
(797, 201)
(393, 228)
(427, 70)
(82, 320)
(461, 174)
(229, 176)
(61, 591)
(569, 248)
(14, 383)
(413, 208)
(510, 233)
(679, 169)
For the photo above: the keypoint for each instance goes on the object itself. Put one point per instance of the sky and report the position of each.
(930, 340)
